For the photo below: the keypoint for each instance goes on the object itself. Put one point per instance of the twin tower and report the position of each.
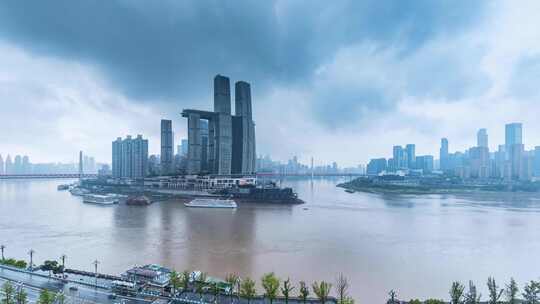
(219, 142)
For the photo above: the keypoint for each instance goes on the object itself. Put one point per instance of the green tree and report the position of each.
(232, 279)
(9, 293)
(270, 283)
(21, 297)
(456, 292)
(322, 290)
(342, 286)
(175, 281)
(46, 297)
(200, 284)
(304, 291)
(434, 301)
(287, 289)
(415, 301)
(186, 275)
(393, 297)
(511, 291)
(494, 292)
(472, 296)
(531, 292)
(215, 291)
(247, 289)
(60, 298)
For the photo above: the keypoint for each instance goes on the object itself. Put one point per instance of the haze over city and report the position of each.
(342, 83)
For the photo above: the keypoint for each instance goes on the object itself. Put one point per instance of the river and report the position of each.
(416, 245)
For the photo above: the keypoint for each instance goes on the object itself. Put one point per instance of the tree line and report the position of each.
(510, 293)
(273, 288)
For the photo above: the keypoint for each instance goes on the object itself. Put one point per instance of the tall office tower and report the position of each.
(513, 134)
(218, 142)
(204, 146)
(9, 165)
(81, 164)
(482, 138)
(184, 145)
(167, 144)
(26, 165)
(130, 157)
(117, 158)
(243, 131)
(411, 156)
(443, 155)
(397, 155)
(2, 170)
(194, 141)
(18, 164)
(222, 95)
(514, 148)
(536, 166)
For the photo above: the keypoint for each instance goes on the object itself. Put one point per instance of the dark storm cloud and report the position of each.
(169, 50)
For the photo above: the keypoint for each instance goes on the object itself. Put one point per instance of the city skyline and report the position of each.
(341, 92)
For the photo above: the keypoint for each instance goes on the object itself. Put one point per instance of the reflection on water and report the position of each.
(417, 245)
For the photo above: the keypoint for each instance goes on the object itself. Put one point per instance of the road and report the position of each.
(33, 284)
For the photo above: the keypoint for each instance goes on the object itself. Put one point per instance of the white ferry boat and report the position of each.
(211, 203)
(100, 199)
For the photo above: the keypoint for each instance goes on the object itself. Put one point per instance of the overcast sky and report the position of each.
(336, 80)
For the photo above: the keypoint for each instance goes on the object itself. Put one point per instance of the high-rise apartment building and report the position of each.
(130, 157)
(167, 144)
(2, 170)
(482, 138)
(9, 165)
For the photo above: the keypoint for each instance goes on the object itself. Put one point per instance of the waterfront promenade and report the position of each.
(92, 290)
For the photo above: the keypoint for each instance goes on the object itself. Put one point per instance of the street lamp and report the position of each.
(63, 258)
(2, 247)
(31, 253)
(96, 263)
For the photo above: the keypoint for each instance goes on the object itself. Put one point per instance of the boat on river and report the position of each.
(211, 203)
(100, 199)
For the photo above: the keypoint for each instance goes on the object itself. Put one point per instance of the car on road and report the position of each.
(73, 288)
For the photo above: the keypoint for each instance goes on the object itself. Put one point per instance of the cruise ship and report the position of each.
(211, 203)
(100, 199)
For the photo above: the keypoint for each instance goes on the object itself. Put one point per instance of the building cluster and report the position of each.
(20, 165)
(219, 142)
(509, 162)
(130, 157)
(294, 167)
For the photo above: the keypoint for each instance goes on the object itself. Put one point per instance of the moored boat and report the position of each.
(211, 203)
(100, 199)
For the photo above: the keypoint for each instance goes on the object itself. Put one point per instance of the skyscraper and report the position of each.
(222, 95)
(219, 141)
(443, 155)
(130, 157)
(26, 167)
(2, 170)
(411, 156)
(482, 138)
(9, 165)
(243, 131)
(398, 158)
(167, 144)
(514, 148)
(18, 164)
(513, 134)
